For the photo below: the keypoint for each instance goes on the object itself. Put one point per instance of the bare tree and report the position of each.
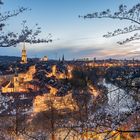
(123, 13)
(29, 35)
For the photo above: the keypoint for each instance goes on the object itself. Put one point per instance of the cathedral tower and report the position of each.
(24, 56)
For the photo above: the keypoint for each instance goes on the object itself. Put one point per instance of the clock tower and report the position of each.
(24, 56)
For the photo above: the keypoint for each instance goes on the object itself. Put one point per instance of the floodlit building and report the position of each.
(19, 82)
(45, 58)
(24, 55)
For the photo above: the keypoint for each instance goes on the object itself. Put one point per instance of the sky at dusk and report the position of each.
(74, 37)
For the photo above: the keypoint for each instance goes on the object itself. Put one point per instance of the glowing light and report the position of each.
(93, 91)
(53, 90)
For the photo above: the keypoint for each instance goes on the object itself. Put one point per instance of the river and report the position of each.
(119, 101)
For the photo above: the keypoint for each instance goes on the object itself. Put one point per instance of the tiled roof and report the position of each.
(5, 83)
(11, 85)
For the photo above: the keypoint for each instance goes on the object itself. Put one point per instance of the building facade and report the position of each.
(19, 82)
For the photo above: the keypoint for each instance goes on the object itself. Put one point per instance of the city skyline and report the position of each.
(70, 69)
(73, 36)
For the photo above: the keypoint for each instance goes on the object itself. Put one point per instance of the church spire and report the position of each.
(63, 58)
(24, 56)
(24, 46)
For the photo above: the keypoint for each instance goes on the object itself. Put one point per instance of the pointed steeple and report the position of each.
(24, 46)
(63, 58)
(24, 56)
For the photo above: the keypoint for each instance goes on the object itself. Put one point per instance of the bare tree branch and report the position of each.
(132, 38)
(123, 13)
(119, 31)
(8, 14)
(26, 35)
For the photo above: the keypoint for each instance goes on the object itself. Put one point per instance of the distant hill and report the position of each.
(13, 59)
(9, 59)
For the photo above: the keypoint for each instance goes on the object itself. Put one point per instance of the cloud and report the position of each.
(69, 52)
(79, 48)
